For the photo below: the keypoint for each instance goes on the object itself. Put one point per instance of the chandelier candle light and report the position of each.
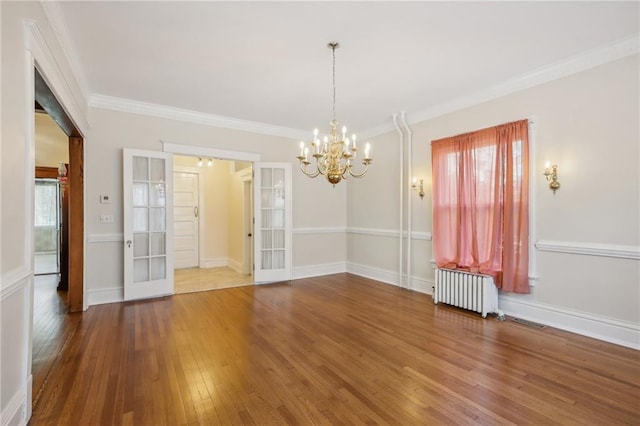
(334, 153)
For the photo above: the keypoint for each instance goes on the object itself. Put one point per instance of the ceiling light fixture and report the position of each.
(334, 154)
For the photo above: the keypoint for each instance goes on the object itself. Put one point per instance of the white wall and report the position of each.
(52, 145)
(588, 124)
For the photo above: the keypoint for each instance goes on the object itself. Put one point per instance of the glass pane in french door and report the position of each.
(273, 222)
(149, 219)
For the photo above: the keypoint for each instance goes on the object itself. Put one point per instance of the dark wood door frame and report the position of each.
(45, 99)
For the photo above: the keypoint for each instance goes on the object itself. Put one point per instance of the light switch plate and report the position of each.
(105, 199)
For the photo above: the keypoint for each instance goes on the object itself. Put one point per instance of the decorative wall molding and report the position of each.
(608, 329)
(393, 233)
(424, 236)
(14, 280)
(318, 270)
(420, 285)
(611, 52)
(29, 407)
(100, 296)
(189, 116)
(590, 249)
(14, 413)
(371, 272)
(105, 238)
(51, 70)
(60, 29)
(315, 231)
(203, 151)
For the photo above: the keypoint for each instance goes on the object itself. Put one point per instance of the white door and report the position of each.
(185, 219)
(273, 224)
(247, 220)
(148, 255)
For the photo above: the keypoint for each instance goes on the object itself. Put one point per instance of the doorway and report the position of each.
(58, 230)
(210, 224)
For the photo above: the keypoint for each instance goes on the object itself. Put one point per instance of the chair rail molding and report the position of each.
(393, 233)
(590, 249)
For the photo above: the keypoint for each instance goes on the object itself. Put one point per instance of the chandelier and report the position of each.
(334, 154)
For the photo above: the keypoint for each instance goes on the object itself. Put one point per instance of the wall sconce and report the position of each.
(419, 187)
(210, 162)
(199, 162)
(551, 173)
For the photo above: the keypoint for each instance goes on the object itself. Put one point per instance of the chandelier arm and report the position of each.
(361, 174)
(307, 173)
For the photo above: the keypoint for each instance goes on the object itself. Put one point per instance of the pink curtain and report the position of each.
(481, 203)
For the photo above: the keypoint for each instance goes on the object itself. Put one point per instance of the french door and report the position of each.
(148, 215)
(273, 222)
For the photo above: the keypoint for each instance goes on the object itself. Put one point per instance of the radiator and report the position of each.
(474, 292)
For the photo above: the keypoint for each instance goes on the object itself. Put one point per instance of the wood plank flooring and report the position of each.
(52, 328)
(339, 349)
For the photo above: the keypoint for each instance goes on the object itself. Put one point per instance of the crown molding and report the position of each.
(611, 52)
(581, 62)
(190, 116)
(63, 85)
(59, 26)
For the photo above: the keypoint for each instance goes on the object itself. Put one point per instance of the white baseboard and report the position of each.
(420, 285)
(29, 406)
(215, 263)
(318, 270)
(607, 329)
(15, 412)
(602, 328)
(105, 295)
(235, 265)
(385, 276)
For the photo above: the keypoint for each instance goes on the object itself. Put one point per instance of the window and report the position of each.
(480, 203)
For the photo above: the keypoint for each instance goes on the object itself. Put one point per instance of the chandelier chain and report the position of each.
(333, 49)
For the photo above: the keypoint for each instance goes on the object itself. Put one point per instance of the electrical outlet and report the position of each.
(106, 218)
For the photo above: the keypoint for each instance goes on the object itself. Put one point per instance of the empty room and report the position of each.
(320, 213)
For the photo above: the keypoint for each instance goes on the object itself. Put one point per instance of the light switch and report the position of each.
(105, 199)
(106, 218)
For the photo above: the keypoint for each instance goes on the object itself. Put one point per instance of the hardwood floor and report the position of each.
(339, 349)
(52, 328)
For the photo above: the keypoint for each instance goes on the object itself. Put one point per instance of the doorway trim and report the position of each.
(214, 153)
(201, 151)
(72, 100)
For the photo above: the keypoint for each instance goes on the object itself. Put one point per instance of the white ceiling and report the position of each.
(267, 62)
